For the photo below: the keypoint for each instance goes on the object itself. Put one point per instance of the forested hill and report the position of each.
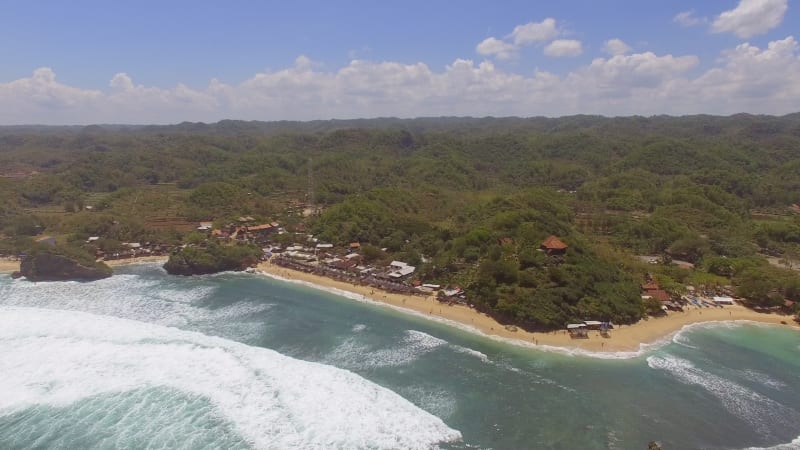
(468, 199)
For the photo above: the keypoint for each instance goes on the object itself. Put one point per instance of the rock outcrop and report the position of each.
(51, 267)
(212, 259)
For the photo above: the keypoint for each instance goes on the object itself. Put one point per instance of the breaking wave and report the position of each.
(354, 354)
(752, 407)
(58, 358)
(134, 297)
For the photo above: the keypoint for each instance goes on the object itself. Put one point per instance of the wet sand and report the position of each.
(625, 338)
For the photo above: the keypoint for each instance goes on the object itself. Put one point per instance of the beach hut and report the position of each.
(578, 330)
(723, 300)
(593, 324)
(554, 246)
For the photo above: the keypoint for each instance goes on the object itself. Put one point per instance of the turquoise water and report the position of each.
(144, 360)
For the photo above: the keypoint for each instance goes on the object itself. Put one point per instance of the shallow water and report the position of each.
(144, 360)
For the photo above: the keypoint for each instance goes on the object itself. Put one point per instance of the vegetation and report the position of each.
(212, 258)
(468, 201)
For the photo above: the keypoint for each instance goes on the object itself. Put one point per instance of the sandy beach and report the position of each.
(625, 338)
(136, 260)
(8, 265)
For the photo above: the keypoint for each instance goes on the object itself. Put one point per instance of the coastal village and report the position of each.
(307, 254)
(347, 264)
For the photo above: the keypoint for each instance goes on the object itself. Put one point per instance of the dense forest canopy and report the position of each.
(468, 200)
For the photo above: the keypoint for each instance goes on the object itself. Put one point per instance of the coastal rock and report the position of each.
(213, 259)
(51, 267)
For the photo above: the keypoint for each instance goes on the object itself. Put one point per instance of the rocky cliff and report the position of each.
(212, 259)
(51, 267)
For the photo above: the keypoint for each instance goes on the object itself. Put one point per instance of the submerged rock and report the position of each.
(51, 267)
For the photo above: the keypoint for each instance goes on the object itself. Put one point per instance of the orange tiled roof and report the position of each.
(554, 243)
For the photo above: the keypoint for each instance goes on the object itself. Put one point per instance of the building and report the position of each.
(400, 269)
(554, 246)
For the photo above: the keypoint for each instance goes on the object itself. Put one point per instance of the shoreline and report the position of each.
(10, 266)
(625, 339)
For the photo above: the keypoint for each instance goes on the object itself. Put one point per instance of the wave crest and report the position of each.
(59, 357)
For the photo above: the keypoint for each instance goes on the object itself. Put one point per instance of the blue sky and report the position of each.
(59, 59)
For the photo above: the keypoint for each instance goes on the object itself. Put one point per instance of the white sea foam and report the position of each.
(59, 357)
(133, 297)
(359, 327)
(356, 354)
(762, 378)
(644, 348)
(431, 399)
(471, 352)
(750, 406)
(794, 445)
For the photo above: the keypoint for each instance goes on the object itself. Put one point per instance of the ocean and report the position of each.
(145, 360)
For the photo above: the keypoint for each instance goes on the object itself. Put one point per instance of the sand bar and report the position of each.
(626, 338)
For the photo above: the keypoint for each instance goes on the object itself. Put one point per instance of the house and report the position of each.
(401, 269)
(93, 239)
(723, 300)
(261, 231)
(578, 330)
(650, 286)
(324, 246)
(355, 246)
(205, 226)
(651, 289)
(795, 208)
(554, 246)
(658, 294)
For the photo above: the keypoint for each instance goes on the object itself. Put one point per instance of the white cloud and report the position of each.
(530, 33)
(495, 47)
(745, 78)
(535, 32)
(616, 47)
(564, 48)
(689, 19)
(751, 17)
(752, 76)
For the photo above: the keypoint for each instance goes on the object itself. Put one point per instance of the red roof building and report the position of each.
(659, 295)
(651, 286)
(554, 245)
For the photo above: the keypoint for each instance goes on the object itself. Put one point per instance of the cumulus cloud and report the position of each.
(535, 32)
(495, 47)
(689, 19)
(564, 48)
(616, 47)
(531, 33)
(745, 78)
(751, 17)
